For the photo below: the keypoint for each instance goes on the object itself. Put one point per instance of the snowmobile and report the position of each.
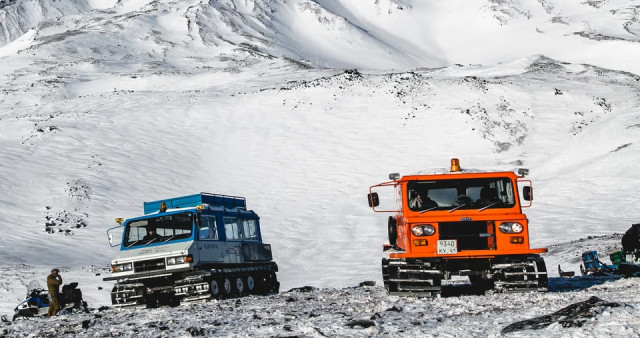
(38, 299)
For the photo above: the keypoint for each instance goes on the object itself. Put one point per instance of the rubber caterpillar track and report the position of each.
(213, 283)
(423, 277)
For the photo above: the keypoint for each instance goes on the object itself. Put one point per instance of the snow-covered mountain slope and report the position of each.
(116, 103)
(381, 34)
(18, 16)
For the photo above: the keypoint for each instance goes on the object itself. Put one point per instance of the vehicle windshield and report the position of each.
(477, 193)
(159, 229)
(34, 285)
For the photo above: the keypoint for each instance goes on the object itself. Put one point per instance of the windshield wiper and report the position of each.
(458, 207)
(130, 245)
(423, 211)
(488, 206)
(151, 241)
(168, 239)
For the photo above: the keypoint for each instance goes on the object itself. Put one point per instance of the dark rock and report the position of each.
(303, 289)
(195, 332)
(367, 283)
(363, 323)
(86, 324)
(574, 315)
(394, 309)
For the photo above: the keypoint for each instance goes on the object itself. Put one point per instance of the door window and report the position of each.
(249, 228)
(232, 228)
(208, 228)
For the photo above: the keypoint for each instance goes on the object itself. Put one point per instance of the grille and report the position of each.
(149, 265)
(470, 235)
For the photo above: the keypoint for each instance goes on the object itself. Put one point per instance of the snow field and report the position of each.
(104, 105)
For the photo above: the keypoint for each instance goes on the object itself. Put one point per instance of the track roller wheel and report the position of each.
(251, 284)
(239, 286)
(215, 287)
(227, 288)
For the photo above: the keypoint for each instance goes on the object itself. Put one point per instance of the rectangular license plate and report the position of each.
(447, 247)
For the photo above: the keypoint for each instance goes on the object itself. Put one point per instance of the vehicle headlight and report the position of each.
(122, 267)
(511, 228)
(423, 230)
(429, 230)
(179, 260)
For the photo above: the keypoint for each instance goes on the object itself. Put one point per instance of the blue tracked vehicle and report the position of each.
(191, 248)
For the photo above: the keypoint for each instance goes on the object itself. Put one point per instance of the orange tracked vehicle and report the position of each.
(458, 222)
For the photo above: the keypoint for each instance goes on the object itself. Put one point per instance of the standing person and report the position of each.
(54, 280)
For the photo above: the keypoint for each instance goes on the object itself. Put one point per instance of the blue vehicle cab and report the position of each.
(190, 248)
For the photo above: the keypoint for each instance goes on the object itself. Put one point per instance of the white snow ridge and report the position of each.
(300, 106)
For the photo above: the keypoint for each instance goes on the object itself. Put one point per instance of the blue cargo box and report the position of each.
(191, 201)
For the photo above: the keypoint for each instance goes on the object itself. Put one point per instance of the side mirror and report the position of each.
(110, 235)
(374, 200)
(527, 193)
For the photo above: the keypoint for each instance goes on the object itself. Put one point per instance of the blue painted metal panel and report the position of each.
(190, 201)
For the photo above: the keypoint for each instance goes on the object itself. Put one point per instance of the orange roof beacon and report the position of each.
(459, 222)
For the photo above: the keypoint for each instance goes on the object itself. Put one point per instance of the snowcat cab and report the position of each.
(189, 248)
(458, 222)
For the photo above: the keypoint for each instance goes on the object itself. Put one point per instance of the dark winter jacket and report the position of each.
(53, 283)
(631, 238)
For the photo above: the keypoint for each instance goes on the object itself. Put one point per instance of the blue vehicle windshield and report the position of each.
(162, 228)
